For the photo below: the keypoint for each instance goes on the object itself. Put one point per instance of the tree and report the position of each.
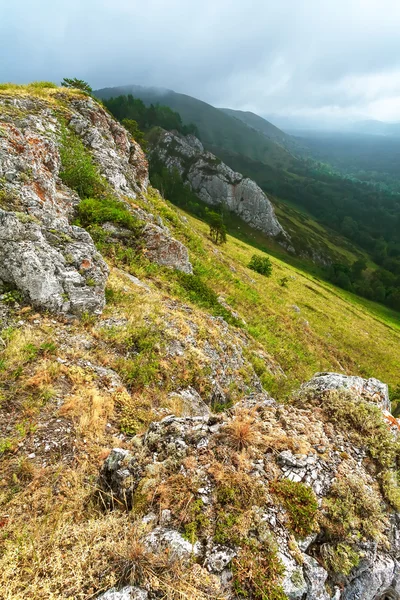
(79, 84)
(357, 268)
(260, 264)
(133, 128)
(217, 227)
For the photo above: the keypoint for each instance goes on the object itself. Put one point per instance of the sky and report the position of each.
(321, 60)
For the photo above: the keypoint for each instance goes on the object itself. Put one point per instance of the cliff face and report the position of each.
(52, 262)
(216, 184)
(140, 431)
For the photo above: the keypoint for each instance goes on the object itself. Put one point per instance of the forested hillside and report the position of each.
(365, 214)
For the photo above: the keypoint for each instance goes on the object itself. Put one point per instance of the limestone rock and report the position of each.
(169, 541)
(165, 250)
(371, 390)
(215, 183)
(126, 593)
(191, 403)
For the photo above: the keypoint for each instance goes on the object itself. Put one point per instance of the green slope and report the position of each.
(217, 129)
(262, 126)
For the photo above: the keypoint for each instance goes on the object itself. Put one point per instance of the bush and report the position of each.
(77, 168)
(96, 211)
(260, 264)
(258, 572)
(300, 503)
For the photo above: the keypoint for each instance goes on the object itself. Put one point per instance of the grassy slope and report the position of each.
(65, 546)
(335, 330)
(216, 128)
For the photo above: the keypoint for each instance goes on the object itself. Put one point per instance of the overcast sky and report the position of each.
(329, 58)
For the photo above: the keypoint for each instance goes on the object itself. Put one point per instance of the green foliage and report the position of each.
(128, 108)
(198, 292)
(217, 227)
(300, 503)
(339, 558)
(132, 126)
(78, 84)
(362, 421)
(352, 510)
(198, 521)
(258, 572)
(92, 211)
(77, 168)
(261, 264)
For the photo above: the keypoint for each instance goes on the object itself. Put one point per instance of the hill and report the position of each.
(265, 127)
(137, 364)
(217, 129)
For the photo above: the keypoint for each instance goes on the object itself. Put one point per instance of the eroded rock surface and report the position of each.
(231, 465)
(216, 184)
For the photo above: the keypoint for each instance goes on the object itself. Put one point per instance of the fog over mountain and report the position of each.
(325, 63)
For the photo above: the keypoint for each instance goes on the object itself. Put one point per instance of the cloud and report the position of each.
(298, 58)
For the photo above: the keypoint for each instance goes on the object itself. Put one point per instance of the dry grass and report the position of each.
(90, 410)
(242, 432)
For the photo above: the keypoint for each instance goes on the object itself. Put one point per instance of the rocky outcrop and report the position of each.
(216, 184)
(53, 263)
(229, 469)
(371, 390)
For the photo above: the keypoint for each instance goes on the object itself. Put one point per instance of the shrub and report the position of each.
(257, 572)
(352, 510)
(300, 503)
(101, 210)
(260, 264)
(77, 168)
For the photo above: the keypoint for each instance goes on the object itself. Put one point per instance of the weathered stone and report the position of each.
(215, 183)
(162, 540)
(371, 390)
(165, 250)
(126, 593)
(191, 403)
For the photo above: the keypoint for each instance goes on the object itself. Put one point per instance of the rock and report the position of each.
(58, 269)
(373, 579)
(126, 593)
(316, 577)
(294, 584)
(371, 390)
(120, 159)
(165, 250)
(219, 557)
(118, 478)
(215, 183)
(169, 541)
(196, 454)
(192, 403)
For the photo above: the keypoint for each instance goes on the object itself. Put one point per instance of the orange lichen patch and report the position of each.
(86, 264)
(39, 192)
(19, 148)
(393, 422)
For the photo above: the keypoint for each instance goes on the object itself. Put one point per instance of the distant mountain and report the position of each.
(263, 126)
(218, 130)
(373, 127)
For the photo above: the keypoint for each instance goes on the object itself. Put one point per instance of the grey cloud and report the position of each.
(291, 57)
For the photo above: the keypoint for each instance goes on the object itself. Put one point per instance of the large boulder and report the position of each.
(370, 390)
